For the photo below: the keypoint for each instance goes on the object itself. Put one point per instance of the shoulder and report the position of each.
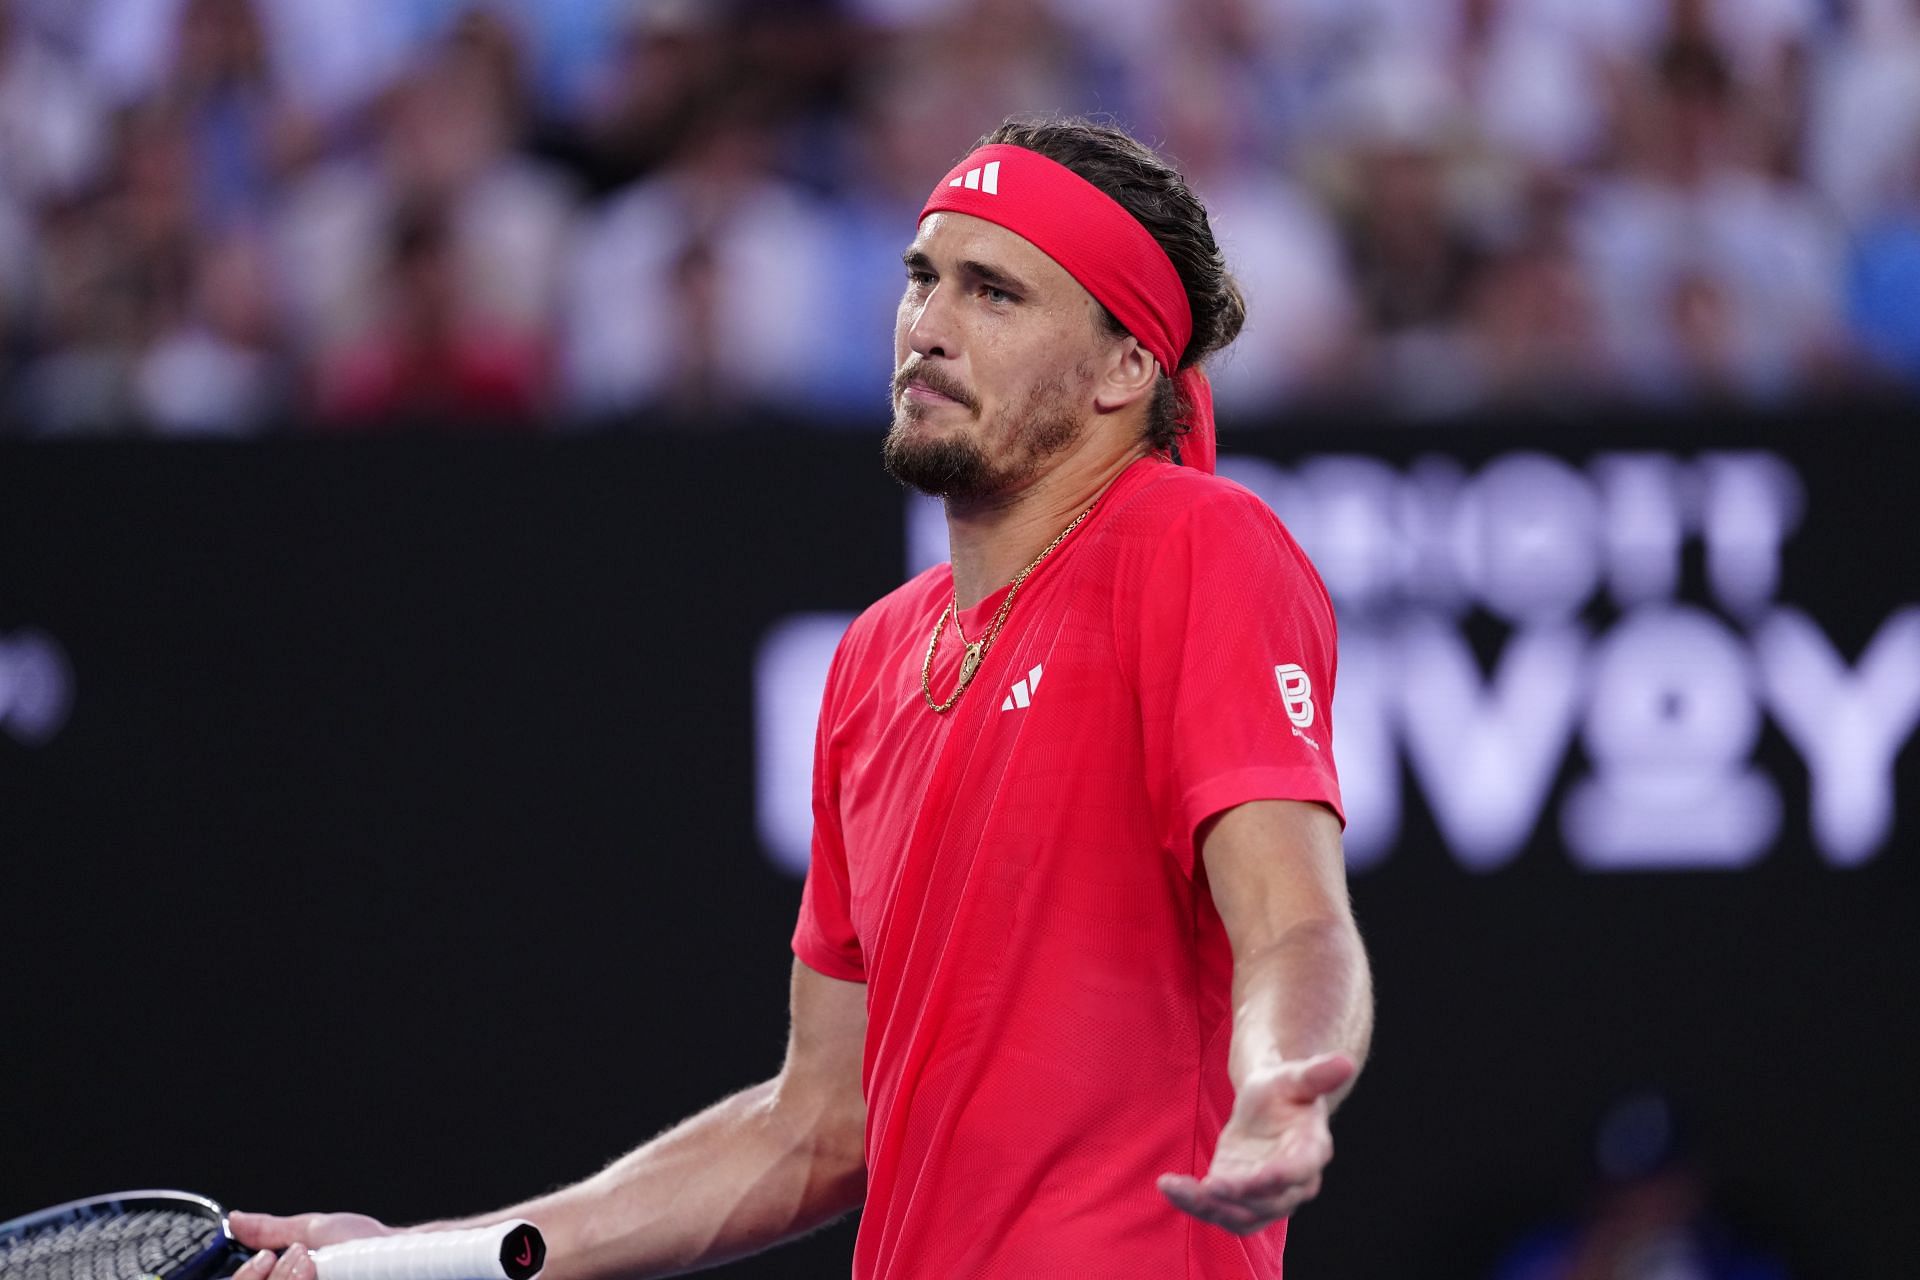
(1190, 535)
(1173, 506)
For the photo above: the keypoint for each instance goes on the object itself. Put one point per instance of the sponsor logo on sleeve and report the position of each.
(1296, 691)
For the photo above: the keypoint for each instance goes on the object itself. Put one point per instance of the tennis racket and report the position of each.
(171, 1235)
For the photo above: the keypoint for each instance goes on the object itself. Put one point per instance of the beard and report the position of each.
(958, 468)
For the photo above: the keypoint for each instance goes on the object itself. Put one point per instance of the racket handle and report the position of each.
(503, 1251)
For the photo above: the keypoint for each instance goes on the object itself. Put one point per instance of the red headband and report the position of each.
(1102, 246)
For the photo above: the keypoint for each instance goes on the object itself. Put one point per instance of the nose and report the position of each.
(928, 325)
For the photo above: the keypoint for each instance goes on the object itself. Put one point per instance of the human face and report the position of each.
(994, 351)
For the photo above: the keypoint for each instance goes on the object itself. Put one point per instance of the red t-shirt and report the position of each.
(1016, 882)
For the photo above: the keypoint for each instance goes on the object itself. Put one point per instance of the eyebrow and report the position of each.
(984, 272)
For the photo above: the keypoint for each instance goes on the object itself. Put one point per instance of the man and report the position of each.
(1077, 982)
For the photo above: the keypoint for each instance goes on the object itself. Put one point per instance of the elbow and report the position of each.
(840, 1153)
(837, 1165)
(826, 1126)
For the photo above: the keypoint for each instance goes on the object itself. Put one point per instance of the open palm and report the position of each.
(1272, 1150)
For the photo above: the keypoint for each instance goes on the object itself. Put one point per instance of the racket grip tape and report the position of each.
(503, 1251)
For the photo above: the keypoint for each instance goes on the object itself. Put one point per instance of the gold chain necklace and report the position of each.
(976, 650)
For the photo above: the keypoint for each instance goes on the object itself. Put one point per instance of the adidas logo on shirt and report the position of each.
(1022, 694)
(981, 178)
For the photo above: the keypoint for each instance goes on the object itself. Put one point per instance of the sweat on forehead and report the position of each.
(1083, 229)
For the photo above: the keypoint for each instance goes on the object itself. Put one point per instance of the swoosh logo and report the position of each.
(526, 1252)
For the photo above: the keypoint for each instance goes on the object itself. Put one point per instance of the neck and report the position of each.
(992, 540)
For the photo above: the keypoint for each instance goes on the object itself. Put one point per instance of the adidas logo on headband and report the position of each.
(985, 178)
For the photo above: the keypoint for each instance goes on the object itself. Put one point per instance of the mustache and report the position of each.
(935, 379)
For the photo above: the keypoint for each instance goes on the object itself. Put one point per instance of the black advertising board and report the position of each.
(411, 825)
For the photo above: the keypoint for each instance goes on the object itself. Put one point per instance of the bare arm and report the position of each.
(1302, 1010)
(769, 1163)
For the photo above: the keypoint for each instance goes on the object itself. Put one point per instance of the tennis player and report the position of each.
(1077, 983)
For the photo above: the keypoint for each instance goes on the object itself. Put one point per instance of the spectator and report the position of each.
(243, 132)
(217, 369)
(1884, 279)
(1654, 1213)
(719, 228)
(446, 140)
(328, 56)
(1413, 250)
(1866, 115)
(1433, 204)
(1699, 254)
(114, 269)
(1281, 246)
(671, 63)
(434, 361)
(1532, 331)
(53, 134)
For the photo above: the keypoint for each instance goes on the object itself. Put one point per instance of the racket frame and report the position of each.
(210, 1261)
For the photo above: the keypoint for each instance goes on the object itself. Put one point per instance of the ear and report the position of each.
(1127, 375)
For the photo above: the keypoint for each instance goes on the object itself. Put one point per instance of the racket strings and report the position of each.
(152, 1242)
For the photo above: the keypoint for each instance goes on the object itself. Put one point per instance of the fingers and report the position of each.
(313, 1230)
(1242, 1214)
(1255, 1181)
(1268, 1184)
(263, 1230)
(1190, 1196)
(1273, 1151)
(267, 1231)
(294, 1264)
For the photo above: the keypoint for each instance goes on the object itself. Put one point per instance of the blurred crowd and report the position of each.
(246, 216)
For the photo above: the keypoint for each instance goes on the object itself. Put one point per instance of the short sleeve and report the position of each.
(1233, 658)
(824, 938)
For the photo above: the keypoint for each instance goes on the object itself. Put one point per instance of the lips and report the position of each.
(931, 386)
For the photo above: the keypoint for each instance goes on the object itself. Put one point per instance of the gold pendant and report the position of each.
(976, 650)
(969, 663)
